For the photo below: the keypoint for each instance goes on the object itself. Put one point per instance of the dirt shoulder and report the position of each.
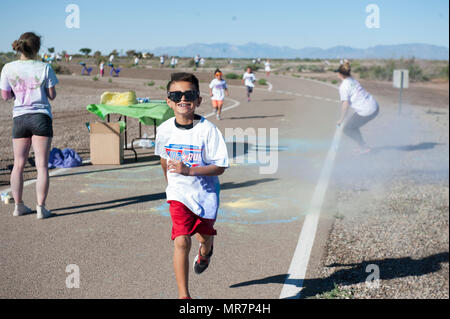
(391, 208)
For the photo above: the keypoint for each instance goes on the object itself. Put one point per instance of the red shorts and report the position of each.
(185, 222)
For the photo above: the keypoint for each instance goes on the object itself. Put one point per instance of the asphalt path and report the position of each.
(113, 223)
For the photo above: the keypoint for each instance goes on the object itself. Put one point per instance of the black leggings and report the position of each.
(353, 125)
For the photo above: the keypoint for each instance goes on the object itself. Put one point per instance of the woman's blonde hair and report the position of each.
(345, 68)
(28, 44)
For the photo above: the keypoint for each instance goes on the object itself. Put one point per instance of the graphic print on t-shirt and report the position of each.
(190, 155)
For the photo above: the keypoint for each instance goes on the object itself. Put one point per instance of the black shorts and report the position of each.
(28, 125)
(249, 89)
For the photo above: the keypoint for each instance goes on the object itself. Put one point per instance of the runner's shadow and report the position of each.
(407, 148)
(122, 202)
(253, 117)
(232, 185)
(116, 203)
(389, 268)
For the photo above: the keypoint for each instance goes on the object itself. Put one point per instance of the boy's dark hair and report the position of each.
(28, 44)
(183, 77)
(217, 70)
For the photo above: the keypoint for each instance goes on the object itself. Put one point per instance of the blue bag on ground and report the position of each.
(64, 159)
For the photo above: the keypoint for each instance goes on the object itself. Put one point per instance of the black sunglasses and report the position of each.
(189, 96)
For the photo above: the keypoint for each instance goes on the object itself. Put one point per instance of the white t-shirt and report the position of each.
(249, 78)
(218, 89)
(28, 79)
(267, 66)
(360, 100)
(200, 146)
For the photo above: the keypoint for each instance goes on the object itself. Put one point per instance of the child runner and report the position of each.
(193, 153)
(267, 67)
(102, 68)
(248, 80)
(161, 61)
(31, 83)
(354, 95)
(217, 89)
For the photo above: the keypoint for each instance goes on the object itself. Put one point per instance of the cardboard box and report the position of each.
(106, 142)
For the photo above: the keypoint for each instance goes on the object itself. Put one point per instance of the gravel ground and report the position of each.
(391, 212)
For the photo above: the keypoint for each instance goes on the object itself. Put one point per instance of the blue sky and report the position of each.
(147, 24)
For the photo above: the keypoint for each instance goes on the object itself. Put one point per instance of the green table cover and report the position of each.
(146, 112)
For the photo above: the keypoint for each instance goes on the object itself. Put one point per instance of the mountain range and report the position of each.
(255, 50)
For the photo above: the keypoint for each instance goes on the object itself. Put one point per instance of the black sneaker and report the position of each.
(202, 262)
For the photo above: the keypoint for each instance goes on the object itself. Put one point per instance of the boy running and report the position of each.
(248, 80)
(217, 89)
(193, 153)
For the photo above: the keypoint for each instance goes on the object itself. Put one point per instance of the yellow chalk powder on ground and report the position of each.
(246, 203)
(118, 99)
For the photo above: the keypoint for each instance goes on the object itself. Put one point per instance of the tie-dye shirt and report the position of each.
(28, 79)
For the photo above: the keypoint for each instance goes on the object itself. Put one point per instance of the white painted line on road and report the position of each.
(297, 271)
(270, 86)
(235, 104)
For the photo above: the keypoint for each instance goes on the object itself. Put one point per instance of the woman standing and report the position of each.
(31, 83)
(353, 95)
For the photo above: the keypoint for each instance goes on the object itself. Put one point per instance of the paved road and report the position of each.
(113, 222)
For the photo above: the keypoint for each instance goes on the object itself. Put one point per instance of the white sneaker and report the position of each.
(42, 212)
(20, 209)
(218, 117)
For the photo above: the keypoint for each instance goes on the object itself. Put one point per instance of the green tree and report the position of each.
(85, 51)
(130, 53)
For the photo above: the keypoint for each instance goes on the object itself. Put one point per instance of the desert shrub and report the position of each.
(444, 72)
(301, 68)
(384, 72)
(99, 59)
(262, 82)
(95, 78)
(232, 76)
(255, 67)
(316, 68)
(59, 69)
(151, 83)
